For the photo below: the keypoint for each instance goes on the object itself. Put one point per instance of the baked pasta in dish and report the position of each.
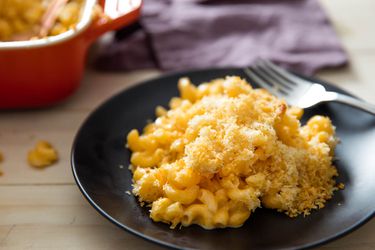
(224, 149)
(20, 18)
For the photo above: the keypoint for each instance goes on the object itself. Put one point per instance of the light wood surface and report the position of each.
(43, 209)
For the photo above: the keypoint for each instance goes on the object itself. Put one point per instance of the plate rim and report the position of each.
(101, 211)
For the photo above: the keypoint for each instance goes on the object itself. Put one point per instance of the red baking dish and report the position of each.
(42, 72)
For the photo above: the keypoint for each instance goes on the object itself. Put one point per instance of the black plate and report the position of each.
(98, 153)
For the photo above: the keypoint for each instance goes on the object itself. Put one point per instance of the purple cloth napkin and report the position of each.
(184, 34)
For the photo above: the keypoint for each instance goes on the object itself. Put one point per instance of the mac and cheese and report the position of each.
(19, 17)
(1, 160)
(224, 149)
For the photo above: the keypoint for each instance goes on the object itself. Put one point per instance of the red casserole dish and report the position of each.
(42, 72)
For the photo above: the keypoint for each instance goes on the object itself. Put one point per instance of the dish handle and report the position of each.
(117, 13)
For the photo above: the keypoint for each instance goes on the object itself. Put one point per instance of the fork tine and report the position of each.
(249, 71)
(271, 81)
(285, 74)
(270, 71)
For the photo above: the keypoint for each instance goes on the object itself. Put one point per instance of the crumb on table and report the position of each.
(42, 155)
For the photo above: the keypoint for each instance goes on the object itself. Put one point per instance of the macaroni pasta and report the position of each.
(224, 149)
(19, 17)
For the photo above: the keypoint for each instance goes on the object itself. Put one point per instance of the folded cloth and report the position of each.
(184, 34)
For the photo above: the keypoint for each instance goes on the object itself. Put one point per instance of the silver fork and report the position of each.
(297, 91)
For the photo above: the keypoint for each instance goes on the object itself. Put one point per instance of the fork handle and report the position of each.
(351, 101)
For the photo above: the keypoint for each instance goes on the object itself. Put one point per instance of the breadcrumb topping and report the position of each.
(224, 149)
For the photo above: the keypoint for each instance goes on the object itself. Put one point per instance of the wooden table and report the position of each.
(43, 209)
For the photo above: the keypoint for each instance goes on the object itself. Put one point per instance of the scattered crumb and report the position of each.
(128, 192)
(339, 204)
(341, 185)
(131, 167)
(121, 166)
(42, 155)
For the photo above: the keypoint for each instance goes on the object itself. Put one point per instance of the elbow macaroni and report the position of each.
(224, 149)
(20, 17)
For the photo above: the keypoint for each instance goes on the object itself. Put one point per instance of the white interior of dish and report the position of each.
(83, 23)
